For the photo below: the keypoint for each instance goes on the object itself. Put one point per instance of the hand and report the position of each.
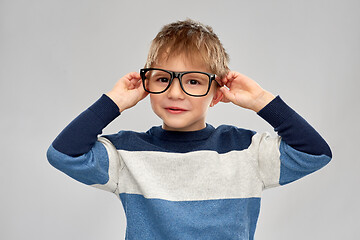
(244, 92)
(128, 91)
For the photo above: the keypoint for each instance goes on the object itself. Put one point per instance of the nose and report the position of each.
(175, 91)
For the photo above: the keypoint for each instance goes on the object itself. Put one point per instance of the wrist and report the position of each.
(264, 99)
(116, 99)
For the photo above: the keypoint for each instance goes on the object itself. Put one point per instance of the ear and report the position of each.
(218, 95)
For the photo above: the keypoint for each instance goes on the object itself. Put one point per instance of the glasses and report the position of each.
(193, 83)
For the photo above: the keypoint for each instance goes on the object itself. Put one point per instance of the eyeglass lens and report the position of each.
(157, 81)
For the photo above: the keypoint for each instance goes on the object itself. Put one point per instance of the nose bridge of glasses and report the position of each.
(176, 75)
(175, 85)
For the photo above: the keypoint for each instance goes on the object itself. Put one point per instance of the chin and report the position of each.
(174, 126)
(178, 126)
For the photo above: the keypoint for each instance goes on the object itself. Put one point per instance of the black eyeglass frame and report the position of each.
(177, 75)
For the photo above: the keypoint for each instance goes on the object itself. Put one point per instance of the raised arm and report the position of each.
(81, 134)
(78, 152)
(298, 151)
(294, 130)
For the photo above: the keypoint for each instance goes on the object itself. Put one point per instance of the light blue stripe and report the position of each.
(90, 168)
(209, 219)
(296, 164)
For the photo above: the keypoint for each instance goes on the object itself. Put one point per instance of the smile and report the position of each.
(175, 110)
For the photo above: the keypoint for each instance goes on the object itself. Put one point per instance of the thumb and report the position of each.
(228, 96)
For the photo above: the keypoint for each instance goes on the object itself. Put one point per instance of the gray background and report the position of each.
(58, 57)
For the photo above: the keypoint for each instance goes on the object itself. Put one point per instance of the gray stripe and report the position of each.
(200, 175)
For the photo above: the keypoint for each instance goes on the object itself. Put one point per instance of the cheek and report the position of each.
(203, 104)
(154, 100)
(154, 103)
(209, 99)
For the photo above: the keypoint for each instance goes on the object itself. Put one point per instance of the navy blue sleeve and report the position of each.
(294, 129)
(81, 134)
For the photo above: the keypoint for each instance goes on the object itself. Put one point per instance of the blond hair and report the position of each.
(194, 40)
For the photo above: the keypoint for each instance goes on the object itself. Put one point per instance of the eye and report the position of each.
(163, 80)
(193, 82)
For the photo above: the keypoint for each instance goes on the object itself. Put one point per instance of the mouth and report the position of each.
(175, 110)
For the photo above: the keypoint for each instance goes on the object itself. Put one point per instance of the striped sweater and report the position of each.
(205, 184)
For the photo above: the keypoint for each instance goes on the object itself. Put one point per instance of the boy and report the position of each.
(186, 179)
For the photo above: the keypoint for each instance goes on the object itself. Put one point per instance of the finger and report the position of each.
(139, 84)
(136, 75)
(230, 78)
(132, 75)
(135, 81)
(219, 81)
(231, 75)
(144, 94)
(226, 78)
(223, 81)
(229, 97)
(142, 91)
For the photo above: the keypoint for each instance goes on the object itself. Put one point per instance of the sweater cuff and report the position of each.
(276, 112)
(105, 109)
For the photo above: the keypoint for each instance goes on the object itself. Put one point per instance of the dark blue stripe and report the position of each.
(209, 219)
(222, 140)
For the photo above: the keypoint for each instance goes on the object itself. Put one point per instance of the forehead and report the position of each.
(182, 62)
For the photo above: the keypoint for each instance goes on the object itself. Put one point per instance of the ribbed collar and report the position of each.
(177, 136)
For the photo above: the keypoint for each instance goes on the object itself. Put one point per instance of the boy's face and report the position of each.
(179, 111)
